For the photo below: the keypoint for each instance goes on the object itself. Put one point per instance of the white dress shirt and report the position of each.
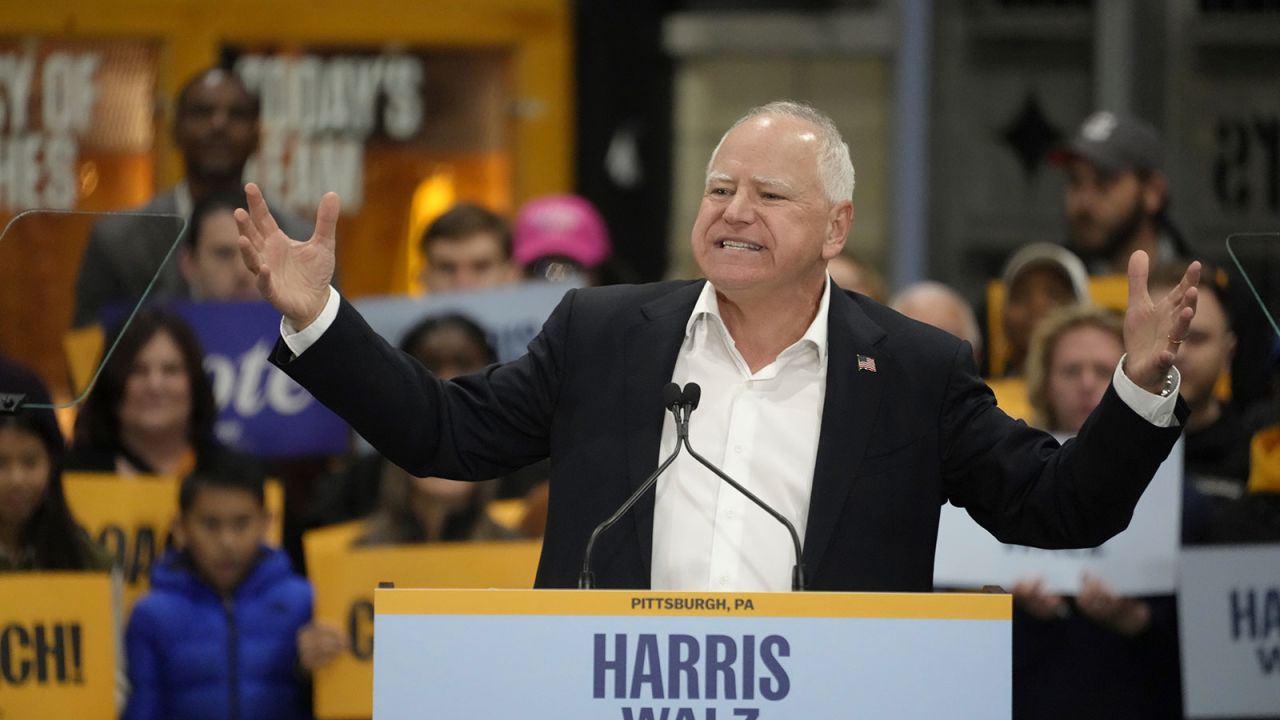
(759, 428)
(762, 429)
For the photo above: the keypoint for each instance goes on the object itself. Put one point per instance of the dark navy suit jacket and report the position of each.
(895, 444)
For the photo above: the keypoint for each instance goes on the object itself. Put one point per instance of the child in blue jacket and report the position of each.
(219, 634)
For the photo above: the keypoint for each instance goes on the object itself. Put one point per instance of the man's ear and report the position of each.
(187, 264)
(839, 222)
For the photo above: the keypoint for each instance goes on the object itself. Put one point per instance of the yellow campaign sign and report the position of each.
(57, 657)
(131, 518)
(128, 517)
(344, 579)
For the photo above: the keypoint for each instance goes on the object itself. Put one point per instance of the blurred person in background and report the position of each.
(216, 130)
(561, 238)
(851, 273)
(936, 304)
(430, 510)
(467, 248)
(152, 410)
(1217, 443)
(1097, 655)
(210, 256)
(1117, 196)
(1073, 356)
(37, 529)
(1037, 279)
(227, 623)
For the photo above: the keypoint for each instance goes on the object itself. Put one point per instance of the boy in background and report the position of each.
(226, 625)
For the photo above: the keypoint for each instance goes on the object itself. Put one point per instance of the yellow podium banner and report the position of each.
(131, 518)
(344, 579)
(57, 658)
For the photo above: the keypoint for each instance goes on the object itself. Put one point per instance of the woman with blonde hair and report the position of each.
(1072, 356)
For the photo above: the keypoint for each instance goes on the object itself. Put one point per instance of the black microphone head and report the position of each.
(670, 396)
(692, 395)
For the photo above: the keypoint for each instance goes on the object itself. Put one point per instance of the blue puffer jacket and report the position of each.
(194, 655)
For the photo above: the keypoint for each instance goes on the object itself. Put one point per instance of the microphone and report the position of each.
(690, 397)
(671, 400)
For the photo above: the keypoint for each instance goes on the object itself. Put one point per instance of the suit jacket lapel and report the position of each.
(850, 407)
(651, 349)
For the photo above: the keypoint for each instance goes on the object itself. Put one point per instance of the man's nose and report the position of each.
(741, 209)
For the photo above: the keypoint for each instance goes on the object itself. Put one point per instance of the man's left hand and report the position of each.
(1154, 330)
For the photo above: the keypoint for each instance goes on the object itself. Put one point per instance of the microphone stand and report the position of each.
(672, 398)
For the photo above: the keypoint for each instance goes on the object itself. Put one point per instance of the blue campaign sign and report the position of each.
(260, 410)
(511, 315)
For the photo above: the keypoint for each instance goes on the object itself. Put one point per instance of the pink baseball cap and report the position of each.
(565, 225)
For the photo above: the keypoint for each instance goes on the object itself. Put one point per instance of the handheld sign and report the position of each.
(57, 652)
(344, 579)
(1142, 560)
(1229, 626)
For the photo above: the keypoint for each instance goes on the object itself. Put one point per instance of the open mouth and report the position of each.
(739, 245)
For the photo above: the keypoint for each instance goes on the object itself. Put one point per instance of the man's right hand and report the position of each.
(293, 276)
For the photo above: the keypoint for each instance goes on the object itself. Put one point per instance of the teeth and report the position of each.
(739, 245)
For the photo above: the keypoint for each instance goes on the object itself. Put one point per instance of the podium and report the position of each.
(653, 655)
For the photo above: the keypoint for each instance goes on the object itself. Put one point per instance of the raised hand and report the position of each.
(1154, 330)
(293, 276)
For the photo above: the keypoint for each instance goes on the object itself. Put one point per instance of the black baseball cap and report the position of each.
(1115, 143)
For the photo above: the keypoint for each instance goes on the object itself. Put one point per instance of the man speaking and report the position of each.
(850, 420)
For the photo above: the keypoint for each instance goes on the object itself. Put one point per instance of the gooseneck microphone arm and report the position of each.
(671, 400)
(689, 400)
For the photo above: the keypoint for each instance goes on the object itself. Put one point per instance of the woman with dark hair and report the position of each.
(449, 345)
(37, 530)
(152, 409)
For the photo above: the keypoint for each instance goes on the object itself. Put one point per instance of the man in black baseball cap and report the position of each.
(1117, 193)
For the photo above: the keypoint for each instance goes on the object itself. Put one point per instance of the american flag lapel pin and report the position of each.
(866, 363)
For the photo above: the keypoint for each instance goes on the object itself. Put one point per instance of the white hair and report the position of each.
(835, 168)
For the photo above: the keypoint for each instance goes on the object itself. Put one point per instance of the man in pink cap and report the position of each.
(558, 237)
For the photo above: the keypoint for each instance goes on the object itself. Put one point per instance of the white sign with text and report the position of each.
(1229, 626)
(1142, 560)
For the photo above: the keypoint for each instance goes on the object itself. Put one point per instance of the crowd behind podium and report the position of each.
(1048, 332)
